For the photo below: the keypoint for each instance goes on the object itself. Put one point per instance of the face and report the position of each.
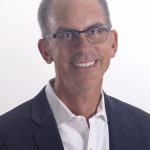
(83, 65)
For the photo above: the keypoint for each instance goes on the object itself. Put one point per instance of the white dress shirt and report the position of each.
(74, 130)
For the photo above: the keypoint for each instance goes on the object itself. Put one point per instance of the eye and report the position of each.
(65, 35)
(93, 31)
(96, 31)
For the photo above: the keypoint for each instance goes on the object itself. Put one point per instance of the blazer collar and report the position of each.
(47, 136)
(119, 128)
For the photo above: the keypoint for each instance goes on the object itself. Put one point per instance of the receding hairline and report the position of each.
(45, 14)
(101, 3)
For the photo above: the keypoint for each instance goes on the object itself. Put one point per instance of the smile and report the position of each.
(88, 64)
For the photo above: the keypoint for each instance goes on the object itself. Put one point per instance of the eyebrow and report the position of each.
(61, 28)
(98, 24)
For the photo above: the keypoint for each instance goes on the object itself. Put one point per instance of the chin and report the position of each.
(89, 84)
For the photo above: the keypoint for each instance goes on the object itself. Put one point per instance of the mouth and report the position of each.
(84, 65)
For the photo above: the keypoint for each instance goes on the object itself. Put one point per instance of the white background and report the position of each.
(23, 73)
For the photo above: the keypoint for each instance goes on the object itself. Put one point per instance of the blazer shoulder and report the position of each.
(21, 112)
(21, 124)
(130, 121)
(126, 109)
(17, 113)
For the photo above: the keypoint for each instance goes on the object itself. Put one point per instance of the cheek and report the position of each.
(60, 57)
(106, 57)
(105, 50)
(105, 54)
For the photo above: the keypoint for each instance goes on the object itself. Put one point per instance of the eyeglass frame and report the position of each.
(77, 32)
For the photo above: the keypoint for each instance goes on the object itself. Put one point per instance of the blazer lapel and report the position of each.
(118, 131)
(47, 136)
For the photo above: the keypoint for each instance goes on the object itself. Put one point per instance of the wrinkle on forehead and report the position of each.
(73, 13)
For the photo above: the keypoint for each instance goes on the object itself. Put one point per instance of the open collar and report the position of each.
(47, 136)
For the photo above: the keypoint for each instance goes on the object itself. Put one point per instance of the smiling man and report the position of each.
(72, 112)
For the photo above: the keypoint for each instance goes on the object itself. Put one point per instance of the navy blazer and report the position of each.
(31, 126)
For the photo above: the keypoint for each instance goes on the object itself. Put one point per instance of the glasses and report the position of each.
(94, 35)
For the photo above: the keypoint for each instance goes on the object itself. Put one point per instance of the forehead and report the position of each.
(77, 14)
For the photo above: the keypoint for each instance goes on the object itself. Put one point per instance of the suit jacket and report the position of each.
(32, 126)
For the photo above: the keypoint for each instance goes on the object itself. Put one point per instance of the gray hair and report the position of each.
(43, 13)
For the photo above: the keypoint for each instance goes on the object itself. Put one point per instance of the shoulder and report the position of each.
(22, 112)
(16, 124)
(127, 112)
(123, 106)
(132, 122)
(15, 117)
(19, 125)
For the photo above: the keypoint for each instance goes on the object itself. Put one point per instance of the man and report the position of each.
(72, 112)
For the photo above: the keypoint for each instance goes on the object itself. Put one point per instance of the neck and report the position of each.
(80, 102)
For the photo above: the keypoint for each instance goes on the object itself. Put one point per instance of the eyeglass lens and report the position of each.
(94, 35)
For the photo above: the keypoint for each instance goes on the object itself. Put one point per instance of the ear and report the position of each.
(45, 51)
(114, 42)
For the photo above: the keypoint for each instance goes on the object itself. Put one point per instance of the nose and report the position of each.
(83, 47)
(82, 41)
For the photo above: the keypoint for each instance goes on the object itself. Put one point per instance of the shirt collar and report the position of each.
(61, 111)
(101, 111)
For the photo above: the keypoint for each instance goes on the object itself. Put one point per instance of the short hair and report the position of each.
(44, 10)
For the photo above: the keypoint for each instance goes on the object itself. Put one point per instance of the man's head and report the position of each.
(79, 65)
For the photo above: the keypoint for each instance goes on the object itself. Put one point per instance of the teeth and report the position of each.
(85, 64)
